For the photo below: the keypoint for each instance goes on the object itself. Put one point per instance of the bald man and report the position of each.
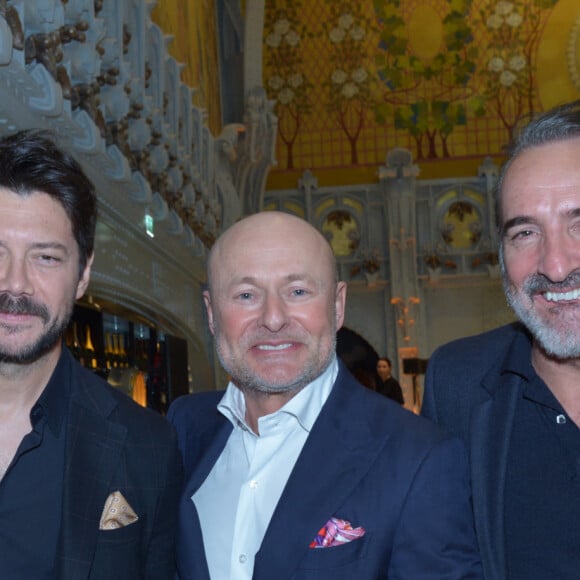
(296, 471)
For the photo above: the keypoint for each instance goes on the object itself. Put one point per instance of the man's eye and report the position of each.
(49, 258)
(299, 292)
(521, 234)
(245, 295)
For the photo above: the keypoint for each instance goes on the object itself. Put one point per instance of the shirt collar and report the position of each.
(305, 406)
(53, 401)
(518, 359)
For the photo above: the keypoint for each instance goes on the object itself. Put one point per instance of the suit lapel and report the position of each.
(333, 461)
(491, 426)
(200, 452)
(93, 447)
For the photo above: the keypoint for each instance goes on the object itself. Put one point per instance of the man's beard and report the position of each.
(560, 338)
(45, 342)
(247, 379)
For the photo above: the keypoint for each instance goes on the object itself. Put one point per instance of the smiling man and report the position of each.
(297, 471)
(514, 393)
(74, 452)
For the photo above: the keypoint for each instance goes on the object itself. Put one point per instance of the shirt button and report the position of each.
(561, 419)
(243, 558)
(253, 484)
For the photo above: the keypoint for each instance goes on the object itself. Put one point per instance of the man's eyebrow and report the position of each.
(303, 277)
(289, 277)
(50, 246)
(244, 280)
(517, 221)
(299, 277)
(44, 246)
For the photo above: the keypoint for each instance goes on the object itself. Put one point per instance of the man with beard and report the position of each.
(298, 471)
(88, 479)
(513, 393)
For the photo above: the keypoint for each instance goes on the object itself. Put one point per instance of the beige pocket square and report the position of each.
(117, 513)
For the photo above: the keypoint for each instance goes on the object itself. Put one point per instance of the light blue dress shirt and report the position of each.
(236, 501)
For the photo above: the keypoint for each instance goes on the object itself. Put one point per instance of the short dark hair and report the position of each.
(557, 124)
(31, 161)
(386, 359)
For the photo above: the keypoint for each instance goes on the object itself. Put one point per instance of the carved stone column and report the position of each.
(308, 183)
(257, 151)
(397, 179)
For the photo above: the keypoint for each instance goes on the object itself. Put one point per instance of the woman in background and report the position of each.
(388, 385)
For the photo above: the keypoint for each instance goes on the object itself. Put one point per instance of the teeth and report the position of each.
(561, 296)
(271, 347)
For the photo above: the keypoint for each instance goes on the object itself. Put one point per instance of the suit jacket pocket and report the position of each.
(336, 556)
(121, 536)
(118, 555)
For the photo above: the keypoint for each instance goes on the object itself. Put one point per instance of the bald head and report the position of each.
(262, 232)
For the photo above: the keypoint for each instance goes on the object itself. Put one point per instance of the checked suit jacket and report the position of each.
(113, 444)
(367, 460)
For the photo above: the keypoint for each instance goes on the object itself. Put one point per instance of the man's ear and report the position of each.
(85, 277)
(340, 304)
(209, 310)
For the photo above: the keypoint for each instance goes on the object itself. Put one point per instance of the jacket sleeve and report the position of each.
(436, 537)
(160, 557)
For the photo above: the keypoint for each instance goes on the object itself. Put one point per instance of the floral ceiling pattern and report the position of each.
(447, 79)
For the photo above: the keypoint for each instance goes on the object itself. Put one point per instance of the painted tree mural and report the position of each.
(287, 84)
(428, 90)
(447, 79)
(512, 32)
(348, 87)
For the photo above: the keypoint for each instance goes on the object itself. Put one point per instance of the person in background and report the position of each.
(388, 385)
(513, 393)
(297, 471)
(89, 480)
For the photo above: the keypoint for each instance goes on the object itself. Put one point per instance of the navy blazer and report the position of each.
(467, 392)
(367, 460)
(113, 444)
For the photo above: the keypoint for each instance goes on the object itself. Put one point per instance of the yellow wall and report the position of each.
(192, 23)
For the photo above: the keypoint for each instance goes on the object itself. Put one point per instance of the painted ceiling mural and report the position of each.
(447, 79)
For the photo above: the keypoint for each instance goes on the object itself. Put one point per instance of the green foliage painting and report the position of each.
(443, 78)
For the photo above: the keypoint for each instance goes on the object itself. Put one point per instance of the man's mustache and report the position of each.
(22, 305)
(537, 283)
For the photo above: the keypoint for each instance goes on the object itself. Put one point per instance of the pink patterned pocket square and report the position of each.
(336, 532)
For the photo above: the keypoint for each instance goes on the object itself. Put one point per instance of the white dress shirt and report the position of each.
(236, 501)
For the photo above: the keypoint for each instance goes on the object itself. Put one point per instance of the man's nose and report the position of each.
(14, 276)
(559, 256)
(274, 313)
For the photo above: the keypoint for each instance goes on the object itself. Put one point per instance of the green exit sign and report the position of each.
(149, 225)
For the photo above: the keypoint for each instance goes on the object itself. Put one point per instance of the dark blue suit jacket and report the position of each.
(366, 460)
(467, 392)
(112, 444)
